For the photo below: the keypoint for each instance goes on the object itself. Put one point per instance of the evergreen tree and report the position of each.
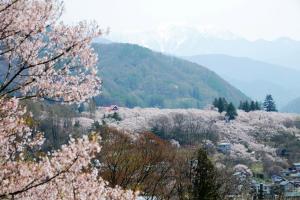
(224, 103)
(221, 107)
(204, 178)
(252, 106)
(216, 103)
(246, 106)
(241, 106)
(231, 112)
(269, 104)
(221, 104)
(257, 106)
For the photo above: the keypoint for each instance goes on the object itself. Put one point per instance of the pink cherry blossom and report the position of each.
(43, 58)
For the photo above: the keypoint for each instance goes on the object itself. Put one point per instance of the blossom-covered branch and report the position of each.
(42, 58)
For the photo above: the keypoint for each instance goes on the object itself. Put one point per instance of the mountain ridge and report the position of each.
(137, 76)
(186, 41)
(254, 78)
(293, 106)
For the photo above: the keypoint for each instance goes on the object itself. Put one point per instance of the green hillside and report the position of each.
(136, 76)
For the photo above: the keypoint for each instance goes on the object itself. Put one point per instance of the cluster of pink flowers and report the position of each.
(43, 58)
(46, 58)
(15, 134)
(247, 133)
(63, 174)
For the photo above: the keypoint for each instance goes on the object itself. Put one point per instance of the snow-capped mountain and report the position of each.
(189, 41)
(176, 40)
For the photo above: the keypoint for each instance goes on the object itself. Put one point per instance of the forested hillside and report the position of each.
(136, 76)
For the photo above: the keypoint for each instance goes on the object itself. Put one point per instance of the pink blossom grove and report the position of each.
(42, 58)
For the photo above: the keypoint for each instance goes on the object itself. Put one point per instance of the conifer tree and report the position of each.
(204, 179)
(231, 112)
(257, 106)
(225, 104)
(221, 104)
(252, 106)
(246, 106)
(216, 103)
(269, 104)
(241, 106)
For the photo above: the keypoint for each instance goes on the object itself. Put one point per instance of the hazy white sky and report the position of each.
(253, 19)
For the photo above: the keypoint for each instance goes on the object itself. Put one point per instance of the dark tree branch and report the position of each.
(31, 186)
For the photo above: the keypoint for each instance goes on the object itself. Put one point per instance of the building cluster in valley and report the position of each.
(285, 185)
(237, 141)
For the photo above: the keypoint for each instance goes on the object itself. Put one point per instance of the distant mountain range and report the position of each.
(254, 67)
(186, 41)
(254, 78)
(137, 76)
(293, 106)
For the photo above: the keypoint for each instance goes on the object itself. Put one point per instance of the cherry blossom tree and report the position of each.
(42, 58)
(250, 132)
